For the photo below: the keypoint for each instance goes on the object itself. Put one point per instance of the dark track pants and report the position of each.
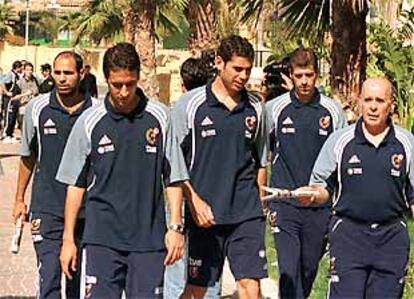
(300, 237)
(367, 261)
(47, 239)
(12, 113)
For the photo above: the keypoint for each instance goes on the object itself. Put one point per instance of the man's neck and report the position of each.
(126, 109)
(375, 135)
(306, 99)
(72, 102)
(224, 96)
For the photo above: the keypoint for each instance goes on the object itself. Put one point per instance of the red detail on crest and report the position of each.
(251, 122)
(325, 121)
(151, 135)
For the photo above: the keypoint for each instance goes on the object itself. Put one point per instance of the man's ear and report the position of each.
(219, 63)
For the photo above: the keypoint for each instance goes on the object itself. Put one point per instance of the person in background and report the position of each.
(89, 81)
(193, 75)
(29, 88)
(46, 126)
(9, 108)
(47, 83)
(299, 122)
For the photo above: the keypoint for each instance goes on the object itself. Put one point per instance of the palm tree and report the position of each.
(349, 50)
(346, 22)
(101, 19)
(50, 25)
(201, 16)
(139, 26)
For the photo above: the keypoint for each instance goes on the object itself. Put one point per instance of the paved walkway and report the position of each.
(18, 272)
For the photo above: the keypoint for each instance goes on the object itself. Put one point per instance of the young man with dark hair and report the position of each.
(193, 74)
(47, 123)
(47, 83)
(299, 122)
(29, 88)
(220, 129)
(369, 166)
(126, 144)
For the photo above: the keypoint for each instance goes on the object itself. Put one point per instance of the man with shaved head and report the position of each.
(370, 167)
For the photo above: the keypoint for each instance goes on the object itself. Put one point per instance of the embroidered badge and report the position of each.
(325, 121)
(35, 226)
(250, 122)
(151, 135)
(396, 160)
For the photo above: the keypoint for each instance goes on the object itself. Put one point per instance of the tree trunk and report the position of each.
(145, 44)
(129, 23)
(202, 20)
(349, 52)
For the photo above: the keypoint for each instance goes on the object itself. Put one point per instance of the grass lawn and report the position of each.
(321, 283)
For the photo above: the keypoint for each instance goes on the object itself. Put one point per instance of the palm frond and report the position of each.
(306, 18)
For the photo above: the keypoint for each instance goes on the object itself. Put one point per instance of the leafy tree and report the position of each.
(202, 19)
(5, 15)
(345, 20)
(393, 57)
(50, 25)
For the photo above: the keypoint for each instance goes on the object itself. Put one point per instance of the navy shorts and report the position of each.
(109, 272)
(243, 245)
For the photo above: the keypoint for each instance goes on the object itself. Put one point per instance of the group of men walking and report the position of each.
(100, 170)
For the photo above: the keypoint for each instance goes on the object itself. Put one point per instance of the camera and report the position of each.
(273, 77)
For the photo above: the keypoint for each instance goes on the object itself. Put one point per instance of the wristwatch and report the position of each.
(177, 227)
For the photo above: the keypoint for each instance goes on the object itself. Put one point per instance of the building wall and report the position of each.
(169, 62)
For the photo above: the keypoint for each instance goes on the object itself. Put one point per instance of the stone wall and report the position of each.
(169, 62)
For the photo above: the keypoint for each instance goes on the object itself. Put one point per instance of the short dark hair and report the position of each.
(17, 64)
(235, 45)
(46, 67)
(78, 59)
(303, 57)
(121, 56)
(193, 73)
(28, 64)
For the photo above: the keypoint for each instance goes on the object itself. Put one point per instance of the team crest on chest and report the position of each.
(324, 122)
(396, 160)
(250, 122)
(151, 135)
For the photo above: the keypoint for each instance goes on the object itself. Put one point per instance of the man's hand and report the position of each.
(68, 258)
(287, 82)
(322, 197)
(201, 211)
(306, 200)
(19, 209)
(174, 241)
